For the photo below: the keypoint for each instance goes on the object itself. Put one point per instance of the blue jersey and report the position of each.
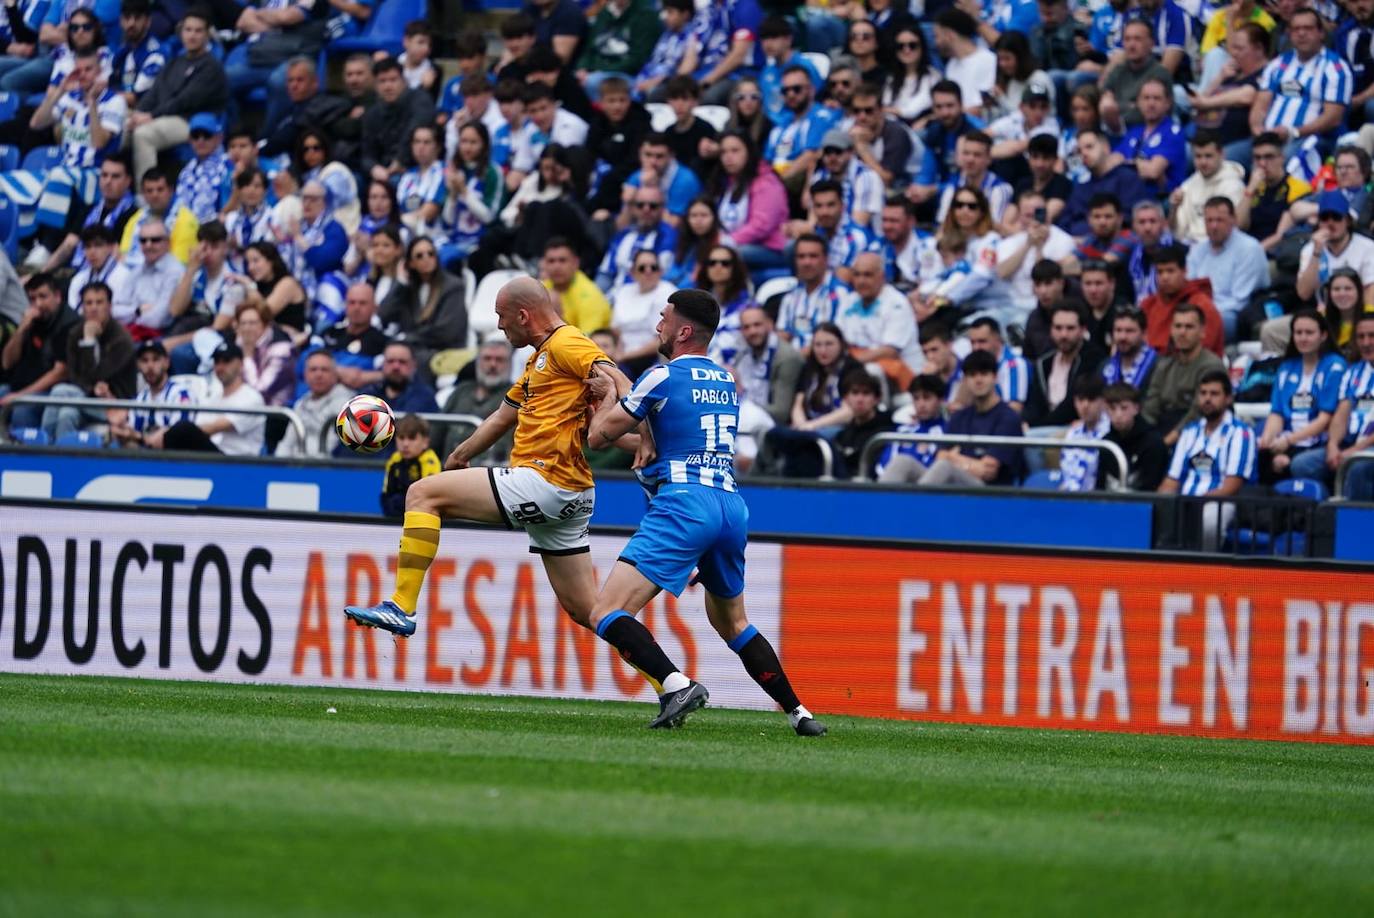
(693, 409)
(1357, 387)
(1298, 399)
(1203, 462)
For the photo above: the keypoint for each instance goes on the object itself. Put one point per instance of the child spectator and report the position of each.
(905, 463)
(416, 67)
(413, 460)
(1078, 467)
(1145, 452)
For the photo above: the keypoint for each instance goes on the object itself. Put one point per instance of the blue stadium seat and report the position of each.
(9, 228)
(1247, 541)
(1309, 488)
(384, 29)
(41, 159)
(9, 105)
(82, 439)
(9, 158)
(30, 436)
(1042, 480)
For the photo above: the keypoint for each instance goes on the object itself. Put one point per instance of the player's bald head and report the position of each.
(525, 312)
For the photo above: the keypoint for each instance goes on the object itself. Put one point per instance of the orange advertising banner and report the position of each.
(1055, 641)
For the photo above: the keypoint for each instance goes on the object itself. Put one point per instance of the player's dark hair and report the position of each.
(699, 308)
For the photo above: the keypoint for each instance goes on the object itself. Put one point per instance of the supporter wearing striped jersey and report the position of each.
(975, 157)
(547, 490)
(1078, 467)
(905, 463)
(1303, 92)
(819, 296)
(1352, 424)
(130, 427)
(696, 518)
(1214, 457)
(908, 252)
(1013, 374)
(1307, 389)
(1174, 29)
(860, 187)
(845, 240)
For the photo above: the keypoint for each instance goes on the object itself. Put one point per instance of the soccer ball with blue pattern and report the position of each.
(366, 424)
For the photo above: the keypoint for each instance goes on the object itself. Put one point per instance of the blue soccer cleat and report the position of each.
(385, 615)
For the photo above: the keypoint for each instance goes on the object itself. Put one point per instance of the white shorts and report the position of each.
(555, 518)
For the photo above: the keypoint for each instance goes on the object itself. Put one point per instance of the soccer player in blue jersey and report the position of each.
(696, 519)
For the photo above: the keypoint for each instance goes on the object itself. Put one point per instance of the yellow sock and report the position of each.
(419, 545)
(658, 686)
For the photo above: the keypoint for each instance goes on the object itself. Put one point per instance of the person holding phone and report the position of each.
(1018, 254)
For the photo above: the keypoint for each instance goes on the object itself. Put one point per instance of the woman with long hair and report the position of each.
(385, 264)
(1085, 113)
(697, 234)
(863, 44)
(817, 405)
(724, 276)
(474, 191)
(906, 92)
(634, 312)
(747, 113)
(1305, 395)
(428, 311)
(1344, 300)
(751, 201)
(268, 282)
(41, 69)
(968, 227)
(1016, 69)
(379, 208)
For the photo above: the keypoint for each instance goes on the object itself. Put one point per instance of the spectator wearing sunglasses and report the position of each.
(635, 309)
(143, 302)
(776, 35)
(649, 232)
(204, 182)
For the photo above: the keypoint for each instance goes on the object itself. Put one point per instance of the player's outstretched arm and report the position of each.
(611, 423)
(488, 432)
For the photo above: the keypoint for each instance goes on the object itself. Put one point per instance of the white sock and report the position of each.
(675, 682)
(796, 716)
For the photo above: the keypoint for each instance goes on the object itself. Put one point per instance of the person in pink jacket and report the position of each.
(751, 214)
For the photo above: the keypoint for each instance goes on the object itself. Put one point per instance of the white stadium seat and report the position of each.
(482, 306)
(818, 60)
(661, 115)
(715, 115)
(771, 288)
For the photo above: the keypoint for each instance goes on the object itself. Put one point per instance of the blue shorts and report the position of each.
(690, 527)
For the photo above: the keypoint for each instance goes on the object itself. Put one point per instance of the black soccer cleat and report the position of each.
(810, 726)
(677, 705)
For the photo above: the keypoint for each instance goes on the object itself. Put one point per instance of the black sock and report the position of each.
(761, 662)
(636, 644)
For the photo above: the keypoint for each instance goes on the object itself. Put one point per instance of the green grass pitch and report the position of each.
(154, 798)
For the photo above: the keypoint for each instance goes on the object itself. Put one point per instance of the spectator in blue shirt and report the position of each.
(1352, 424)
(1157, 146)
(724, 46)
(471, 54)
(987, 415)
(794, 146)
(1108, 175)
(776, 36)
(558, 24)
(669, 51)
(1306, 392)
(941, 140)
(1233, 261)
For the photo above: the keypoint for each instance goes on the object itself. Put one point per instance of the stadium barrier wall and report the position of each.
(1058, 640)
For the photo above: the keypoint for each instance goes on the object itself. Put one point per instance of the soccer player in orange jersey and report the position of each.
(547, 490)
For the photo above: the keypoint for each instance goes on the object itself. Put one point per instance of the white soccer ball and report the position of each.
(366, 424)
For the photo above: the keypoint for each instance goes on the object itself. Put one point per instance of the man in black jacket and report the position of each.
(308, 109)
(1142, 444)
(615, 132)
(388, 122)
(1050, 403)
(193, 82)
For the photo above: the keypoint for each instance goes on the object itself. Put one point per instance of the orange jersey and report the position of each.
(551, 401)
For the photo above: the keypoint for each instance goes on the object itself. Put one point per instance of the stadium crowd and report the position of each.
(1088, 220)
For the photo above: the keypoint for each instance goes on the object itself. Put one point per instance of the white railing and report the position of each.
(101, 404)
(1105, 446)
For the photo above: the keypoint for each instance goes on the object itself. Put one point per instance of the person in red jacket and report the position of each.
(1174, 287)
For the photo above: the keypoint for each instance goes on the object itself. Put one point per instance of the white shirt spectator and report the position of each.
(635, 314)
(245, 436)
(801, 310)
(1358, 254)
(1058, 246)
(975, 74)
(316, 412)
(888, 321)
(113, 274)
